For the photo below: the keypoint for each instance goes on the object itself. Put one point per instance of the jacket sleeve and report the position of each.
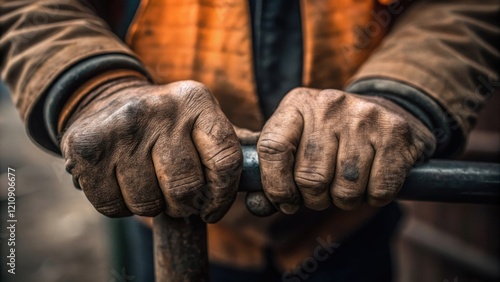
(447, 50)
(40, 41)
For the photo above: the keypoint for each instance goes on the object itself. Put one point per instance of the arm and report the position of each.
(41, 41)
(131, 146)
(442, 54)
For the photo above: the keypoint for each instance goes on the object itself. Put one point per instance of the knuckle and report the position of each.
(114, 208)
(228, 160)
(297, 94)
(332, 96)
(367, 111)
(150, 208)
(400, 126)
(268, 147)
(87, 146)
(182, 190)
(383, 195)
(194, 85)
(131, 112)
(347, 195)
(311, 180)
(332, 103)
(193, 90)
(297, 91)
(129, 125)
(398, 133)
(362, 125)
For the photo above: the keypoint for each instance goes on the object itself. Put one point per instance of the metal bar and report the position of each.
(181, 247)
(435, 180)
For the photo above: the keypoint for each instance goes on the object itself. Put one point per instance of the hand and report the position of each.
(144, 149)
(330, 146)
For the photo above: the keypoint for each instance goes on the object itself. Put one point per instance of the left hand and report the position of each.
(330, 146)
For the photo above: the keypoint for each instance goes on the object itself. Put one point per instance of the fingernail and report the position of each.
(259, 205)
(289, 208)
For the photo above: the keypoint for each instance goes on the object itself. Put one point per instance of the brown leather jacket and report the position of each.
(447, 49)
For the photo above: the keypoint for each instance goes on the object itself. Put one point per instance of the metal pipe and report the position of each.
(181, 246)
(180, 249)
(435, 180)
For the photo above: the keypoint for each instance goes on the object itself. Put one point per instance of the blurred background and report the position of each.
(60, 237)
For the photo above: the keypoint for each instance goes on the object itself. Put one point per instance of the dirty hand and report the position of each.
(142, 149)
(330, 146)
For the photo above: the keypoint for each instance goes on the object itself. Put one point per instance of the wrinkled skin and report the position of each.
(324, 147)
(143, 149)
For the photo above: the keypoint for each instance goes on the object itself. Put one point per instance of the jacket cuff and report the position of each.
(71, 80)
(420, 105)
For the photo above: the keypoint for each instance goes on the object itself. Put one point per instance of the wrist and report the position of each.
(100, 86)
(71, 80)
(415, 102)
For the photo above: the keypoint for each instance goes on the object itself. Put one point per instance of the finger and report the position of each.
(101, 189)
(88, 162)
(137, 180)
(179, 174)
(69, 166)
(222, 159)
(276, 148)
(258, 204)
(388, 172)
(425, 142)
(76, 182)
(315, 166)
(354, 161)
(246, 137)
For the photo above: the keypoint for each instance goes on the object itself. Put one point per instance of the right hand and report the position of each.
(143, 149)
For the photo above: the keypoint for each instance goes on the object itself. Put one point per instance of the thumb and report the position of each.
(259, 205)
